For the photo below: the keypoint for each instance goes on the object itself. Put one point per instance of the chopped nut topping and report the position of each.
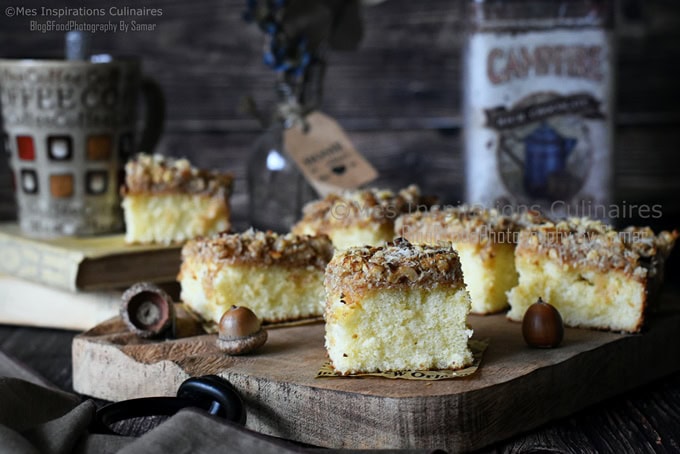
(398, 264)
(464, 223)
(368, 206)
(262, 248)
(162, 174)
(583, 242)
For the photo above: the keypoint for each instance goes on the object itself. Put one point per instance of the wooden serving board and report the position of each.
(515, 389)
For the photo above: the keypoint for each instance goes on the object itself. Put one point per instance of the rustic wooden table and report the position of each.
(643, 420)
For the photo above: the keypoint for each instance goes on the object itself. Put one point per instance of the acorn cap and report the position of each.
(243, 345)
(147, 310)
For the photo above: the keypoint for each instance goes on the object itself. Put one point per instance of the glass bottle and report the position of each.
(277, 189)
(539, 105)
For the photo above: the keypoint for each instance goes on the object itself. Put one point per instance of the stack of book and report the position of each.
(75, 283)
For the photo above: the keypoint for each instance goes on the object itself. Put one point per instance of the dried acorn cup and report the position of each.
(147, 310)
(240, 331)
(542, 325)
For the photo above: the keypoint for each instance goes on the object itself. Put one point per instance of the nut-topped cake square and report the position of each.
(361, 217)
(595, 276)
(396, 307)
(279, 277)
(167, 200)
(485, 241)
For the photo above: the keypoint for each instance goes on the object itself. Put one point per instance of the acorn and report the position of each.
(240, 331)
(147, 310)
(542, 325)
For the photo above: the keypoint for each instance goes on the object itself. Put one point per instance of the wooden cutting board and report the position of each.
(515, 389)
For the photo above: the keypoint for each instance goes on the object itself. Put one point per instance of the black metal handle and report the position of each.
(211, 393)
(218, 394)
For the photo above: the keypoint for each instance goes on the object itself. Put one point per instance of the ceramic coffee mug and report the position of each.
(69, 127)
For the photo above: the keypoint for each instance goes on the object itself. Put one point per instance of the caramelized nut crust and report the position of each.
(157, 174)
(590, 244)
(465, 224)
(361, 208)
(261, 248)
(461, 224)
(398, 264)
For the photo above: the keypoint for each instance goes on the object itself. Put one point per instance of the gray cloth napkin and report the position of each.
(39, 420)
(34, 419)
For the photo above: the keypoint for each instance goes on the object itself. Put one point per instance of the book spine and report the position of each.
(39, 263)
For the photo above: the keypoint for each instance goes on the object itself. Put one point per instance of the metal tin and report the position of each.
(538, 106)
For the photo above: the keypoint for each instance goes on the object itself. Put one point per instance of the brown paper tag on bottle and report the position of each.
(326, 156)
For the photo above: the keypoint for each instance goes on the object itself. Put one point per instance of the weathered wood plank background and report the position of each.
(398, 95)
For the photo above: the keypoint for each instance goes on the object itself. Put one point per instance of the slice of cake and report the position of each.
(595, 276)
(396, 307)
(167, 200)
(485, 241)
(279, 277)
(360, 218)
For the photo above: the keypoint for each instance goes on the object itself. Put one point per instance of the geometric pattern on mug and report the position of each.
(60, 148)
(26, 148)
(61, 185)
(96, 182)
(29, 181)
(99, 147)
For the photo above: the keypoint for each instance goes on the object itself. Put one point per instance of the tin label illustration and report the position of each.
(537, 119)
(544, 148)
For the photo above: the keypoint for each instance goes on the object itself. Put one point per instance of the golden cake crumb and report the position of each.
(166, 200)
(279, 277)
(396, 307)
(596, 276)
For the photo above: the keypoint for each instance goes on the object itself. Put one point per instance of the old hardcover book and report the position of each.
(86, 263)
(27, 303)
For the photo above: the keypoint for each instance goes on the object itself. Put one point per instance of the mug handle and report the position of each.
(154, 120)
